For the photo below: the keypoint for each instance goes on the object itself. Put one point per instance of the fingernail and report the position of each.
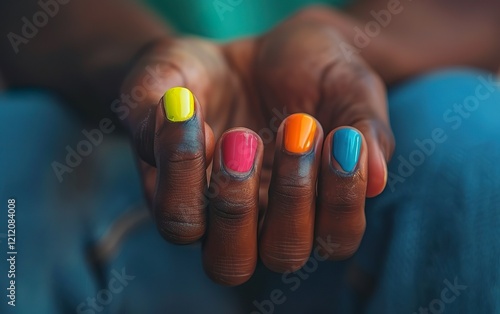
(238, 151)
(346, 148)
(299, 133)
(179, 104)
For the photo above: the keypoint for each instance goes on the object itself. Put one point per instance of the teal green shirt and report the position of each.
(227, 19)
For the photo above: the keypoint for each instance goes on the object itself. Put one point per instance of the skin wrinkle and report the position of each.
(237, 211)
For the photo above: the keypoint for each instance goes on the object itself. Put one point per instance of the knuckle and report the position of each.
(348, 198)
(341, 206)
(280, 261)
(234, 209)
(180, 230)
(185, 158)
(293, 189)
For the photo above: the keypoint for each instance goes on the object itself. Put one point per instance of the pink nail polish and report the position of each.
(238, 151)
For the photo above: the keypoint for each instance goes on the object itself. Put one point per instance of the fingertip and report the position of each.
(377, 174)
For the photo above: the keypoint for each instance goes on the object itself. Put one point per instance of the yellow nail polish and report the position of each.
(179, 104)
(299, 133)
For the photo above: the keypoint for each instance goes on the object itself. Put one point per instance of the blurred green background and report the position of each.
(228, 19)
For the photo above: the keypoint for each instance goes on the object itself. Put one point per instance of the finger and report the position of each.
(340, 216)
(180, 156)
(287, 231)
(230, 247)
(354, 95)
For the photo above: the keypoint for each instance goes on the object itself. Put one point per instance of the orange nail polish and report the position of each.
(299, 133)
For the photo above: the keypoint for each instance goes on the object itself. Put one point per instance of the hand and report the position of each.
(253, 85)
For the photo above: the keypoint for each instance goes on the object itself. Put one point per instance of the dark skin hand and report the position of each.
(296, 66)
(287, 200)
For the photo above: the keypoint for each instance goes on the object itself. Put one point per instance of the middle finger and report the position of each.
(287, 232)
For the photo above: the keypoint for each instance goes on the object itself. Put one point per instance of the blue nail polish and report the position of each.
(346, 148)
